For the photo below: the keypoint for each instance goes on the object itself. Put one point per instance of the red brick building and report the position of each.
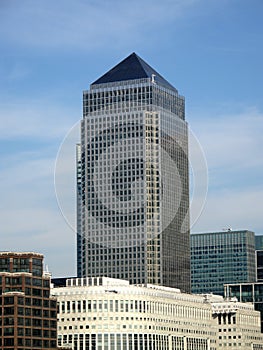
(28, 315)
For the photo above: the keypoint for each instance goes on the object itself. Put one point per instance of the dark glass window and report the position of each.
(28, 332)
(37, 282)
(20, 300)
(28, 342)
(20, 321)
(46, 283)
(9, 331)
(5, 264)
(37, 322)
(9, 342)
(27, 311)
(27, 321)
(28, 291)
(20, 265)
(46, 303)
(28, 281)
(8, 321)
(45, 323)
(9, 300)
(37, 343)
(37, 292)
(36, 312)
(37, 332)
(45, 344)
(20, 341)
(20, 331)
(53, 304)
(9, 311)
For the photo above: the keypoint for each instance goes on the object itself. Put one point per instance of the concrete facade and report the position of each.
(106, 314)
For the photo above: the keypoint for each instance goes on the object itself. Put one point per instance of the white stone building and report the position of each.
(105, 314)
(238, 324)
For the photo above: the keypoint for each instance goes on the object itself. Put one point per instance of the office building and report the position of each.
(133, 212)
(259, 265)
(218, 258)
(247, 293)
(259, 242)
(238, 324)
(104, 313)
(259, 257)
(28, 313)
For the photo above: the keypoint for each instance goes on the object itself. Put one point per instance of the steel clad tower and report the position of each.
(133, 181)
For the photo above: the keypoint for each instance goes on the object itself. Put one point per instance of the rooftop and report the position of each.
(131, 68)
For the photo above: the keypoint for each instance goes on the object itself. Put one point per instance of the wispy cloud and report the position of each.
(39, 119)
(83, 24)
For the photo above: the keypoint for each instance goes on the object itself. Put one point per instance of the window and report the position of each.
(9, 300)
(9, 311)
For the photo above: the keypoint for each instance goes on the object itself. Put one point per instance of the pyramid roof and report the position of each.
(132, 67)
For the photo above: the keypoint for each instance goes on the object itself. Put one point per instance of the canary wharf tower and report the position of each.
(133, 182)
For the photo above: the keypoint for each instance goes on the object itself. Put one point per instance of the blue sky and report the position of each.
(210, 50)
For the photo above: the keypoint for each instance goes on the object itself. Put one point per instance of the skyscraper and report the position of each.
(133, 188)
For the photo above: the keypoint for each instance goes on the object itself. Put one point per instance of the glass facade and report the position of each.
(134, 211)
(259, 262)
(247, 293)
(259, 242)
(259, 257)
(218, 258)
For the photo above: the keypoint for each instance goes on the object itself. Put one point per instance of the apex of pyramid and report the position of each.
(132, 67)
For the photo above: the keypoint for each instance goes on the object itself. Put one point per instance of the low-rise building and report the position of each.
(247, 293)
(104, 313)
(223, 257)
(238, 324)
(28, 314)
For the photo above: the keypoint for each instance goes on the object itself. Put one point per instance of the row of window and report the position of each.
(28, 343)
(29, 281)
(11, 300)
(29, 312)
(28, 322)
(132, 342)
(28, 332)
(140, 306)
(157, 96)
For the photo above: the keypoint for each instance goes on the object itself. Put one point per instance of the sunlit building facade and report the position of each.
(105, 314)
(108, 314)
(238, 324)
